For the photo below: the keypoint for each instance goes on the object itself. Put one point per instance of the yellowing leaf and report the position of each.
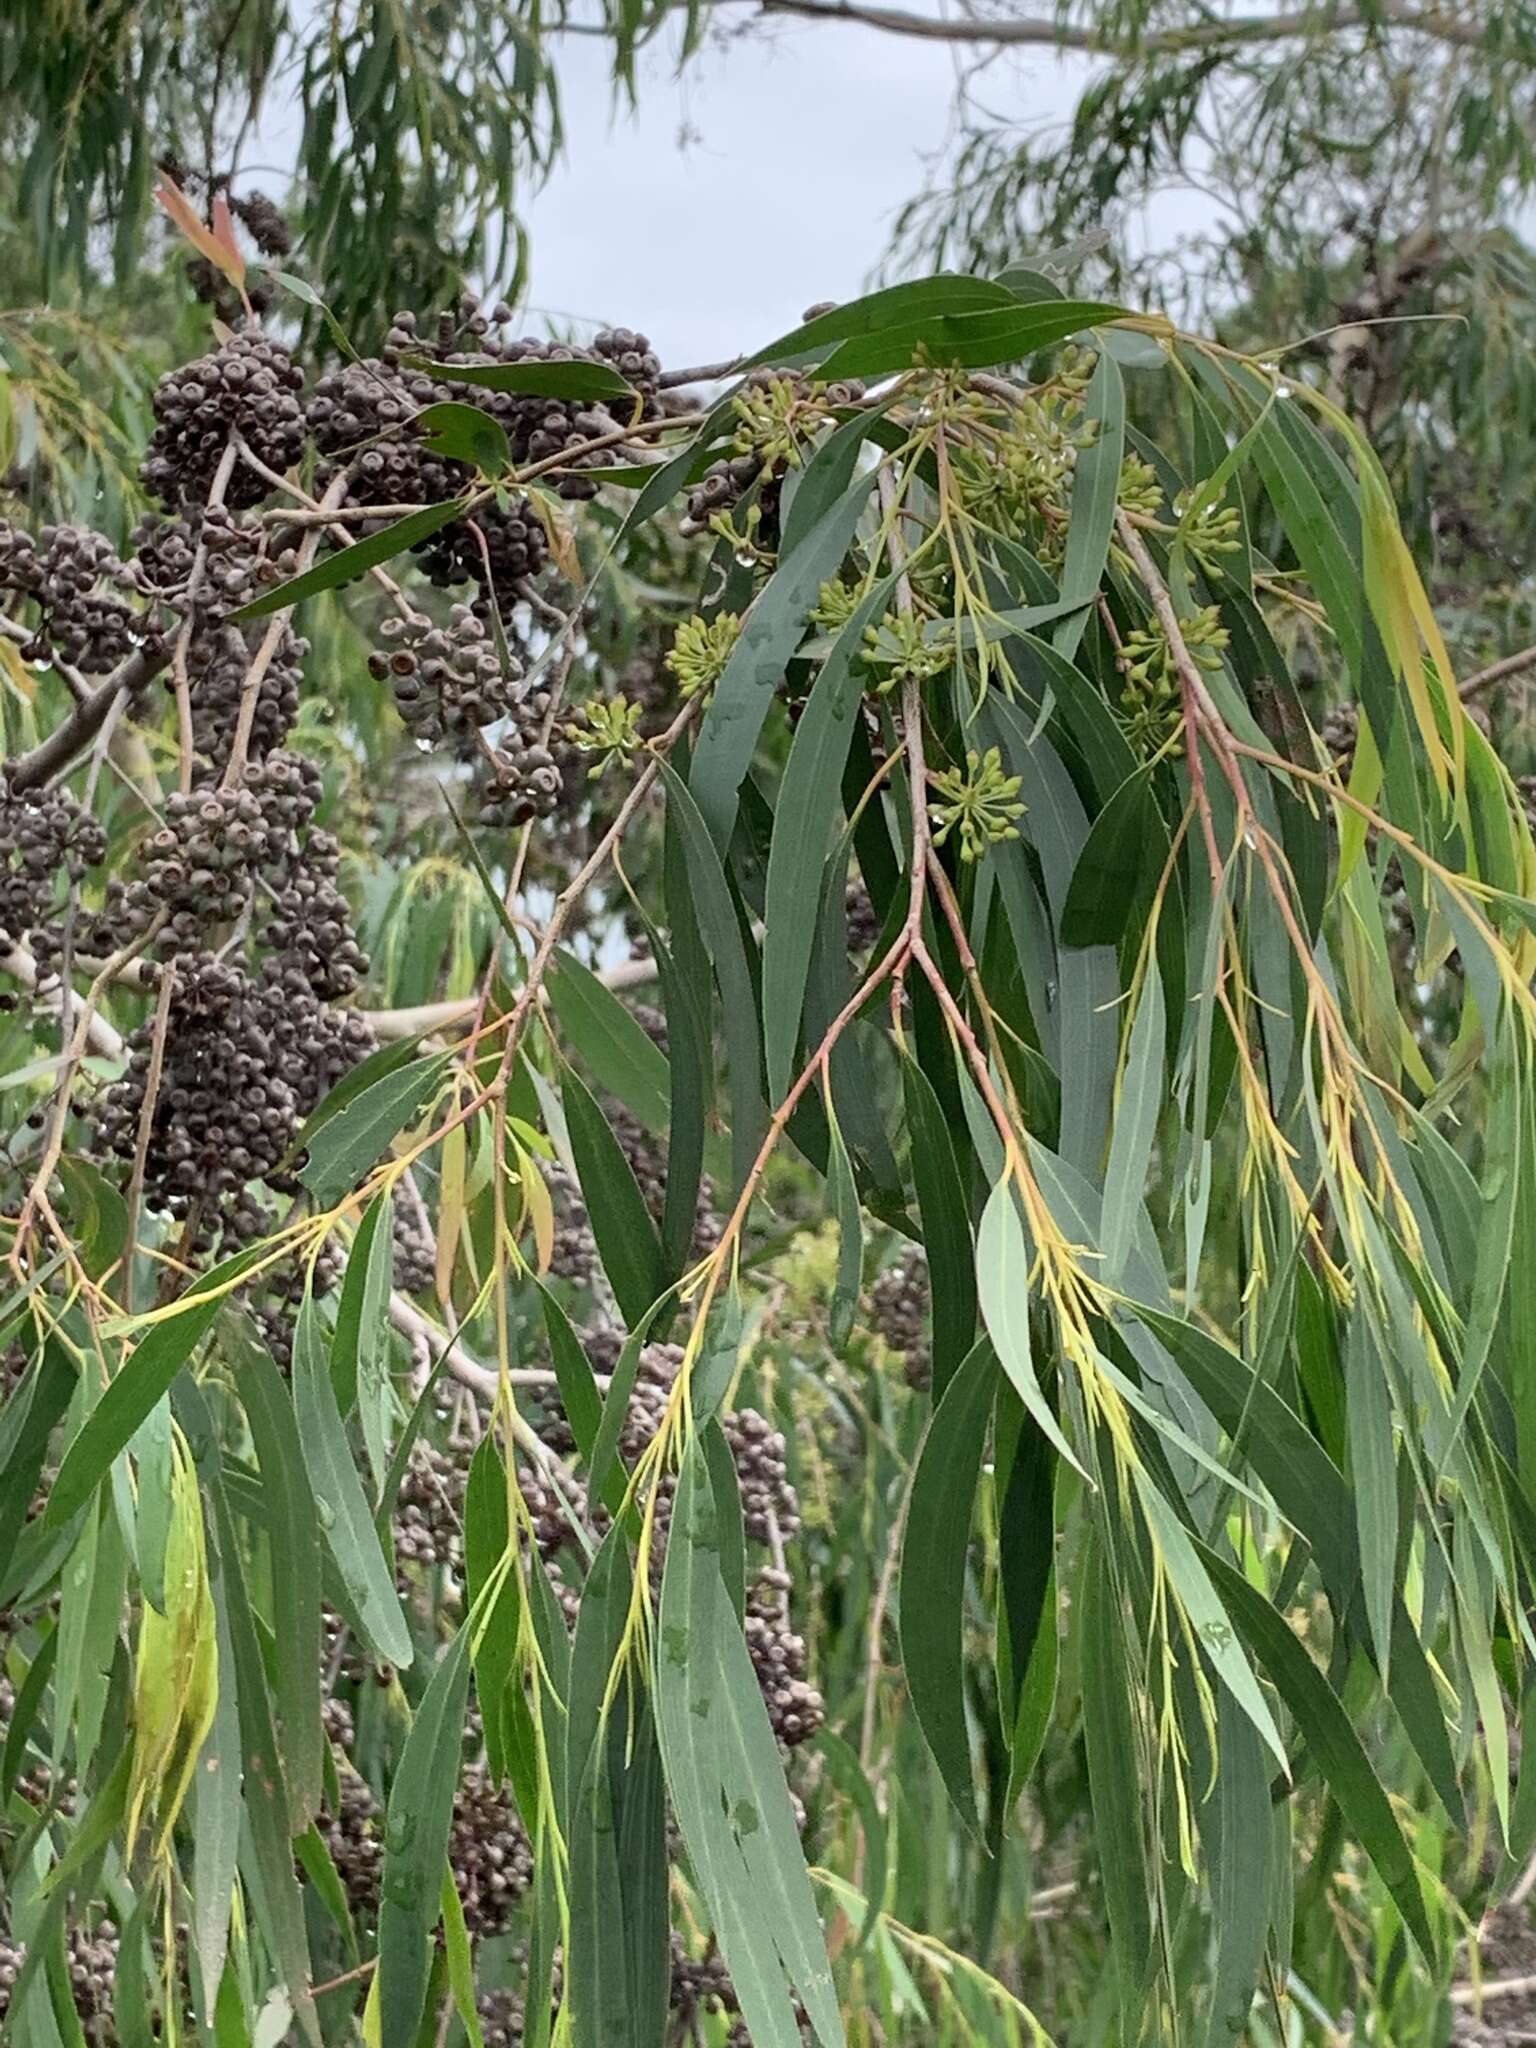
(558, 528)
(540, 1209)
(450, 1219)
(176, 1678)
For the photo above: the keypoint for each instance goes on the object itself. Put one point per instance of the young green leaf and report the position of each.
(416, 1846)
(339, 1496)
(293, 1531)
(465, 434)
(627, 1240)
(356, 1138)
(934, 1546)
(347, 564)
(728, 1789)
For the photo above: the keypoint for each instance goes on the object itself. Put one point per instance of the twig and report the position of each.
(318, 514)
(184, 631)
(469, 1372)
(250, 690)
(1498, 672)
(1053, 34)
(69, 675)
(702, 373)
(72, 1058)
(1497, 1987)
(42, 762)
(159, 1032)
(568, 456)
(378, 573)
(21, 966)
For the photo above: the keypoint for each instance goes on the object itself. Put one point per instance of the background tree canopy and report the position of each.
(771, 1124)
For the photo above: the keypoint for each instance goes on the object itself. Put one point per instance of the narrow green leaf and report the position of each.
(37, 1404)
(420, 1815)
(1332, 1740)
(1118, 867)
(360, 1347)
(945, 1213)
(358, 1136)
(975, 341)
(339, 1496)
(24, 1712)
(728, 1789)
(461, 1962)
(279, 1906)
(1095, 496)
(723, 941)
(804, 818)
(877, 311)
(1142, 1095)
(293, 1531)
(382, 1061)
(579, 1395)
(538, 379)
(626, 1062)
(151, 1454)
(1108, 1687)
(493, 1643)
(1002, 1284)
(347, 564)
(850, 1236)
(626, 1234)
(98, 1212)
(1207, 1616)
(135, 1388)
(217, 1805)
(618, 1968)
(1237, 1829)
(770, 632)
(1373, 1477)
(934, 1547)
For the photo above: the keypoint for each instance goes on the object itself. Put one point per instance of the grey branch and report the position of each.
(1499, 672)
(1035, 32)
(77, 731)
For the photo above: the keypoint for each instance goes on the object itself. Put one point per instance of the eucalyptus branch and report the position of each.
(571, 896)
(1497, 672)
(179, 672)
(159, 1032)
(74, 734)
(1035, 32)
(277, 625)
(73, 1055)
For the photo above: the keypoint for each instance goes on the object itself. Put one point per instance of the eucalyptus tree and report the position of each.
(483, 1569)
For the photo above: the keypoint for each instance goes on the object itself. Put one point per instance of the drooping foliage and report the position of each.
(901, 1299)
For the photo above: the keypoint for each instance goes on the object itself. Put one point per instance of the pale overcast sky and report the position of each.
(711, 219)
(765, 177)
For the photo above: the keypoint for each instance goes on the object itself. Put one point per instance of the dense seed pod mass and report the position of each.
(249, 387)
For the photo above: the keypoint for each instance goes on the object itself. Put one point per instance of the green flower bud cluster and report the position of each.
(608, 728)
(1138, 489)
(701, 650)
(1020, 480)
(978, 801)
(898, 648)
(1215, 529)
(1150, 702)
(776, 418)
(836, 603)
